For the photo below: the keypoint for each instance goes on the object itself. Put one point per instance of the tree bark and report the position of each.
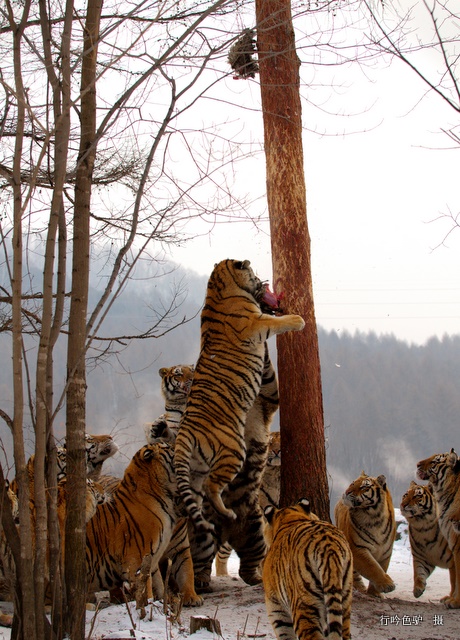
(303, 468)
(75, 533)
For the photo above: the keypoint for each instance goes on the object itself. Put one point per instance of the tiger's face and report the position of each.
(439, 467)
(364, 492)
(417, 502)
(99, 448)
(274, 449)
(176, 381)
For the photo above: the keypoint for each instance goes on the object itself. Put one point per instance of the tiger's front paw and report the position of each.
(451, 603)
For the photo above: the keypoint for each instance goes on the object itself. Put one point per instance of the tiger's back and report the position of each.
(307, 575)
(137, 522)
(366, 516)
(210, 442)
(429, 547)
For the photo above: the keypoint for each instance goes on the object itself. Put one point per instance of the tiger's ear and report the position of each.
(305, 504)
(269, 512)
(453, 460)
(413, 484)
(382, 481)
(163, 371)
(149, 452)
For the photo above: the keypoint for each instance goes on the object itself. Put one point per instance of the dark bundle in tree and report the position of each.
(241, 58)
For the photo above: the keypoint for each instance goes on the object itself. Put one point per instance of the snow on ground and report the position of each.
(240, 610)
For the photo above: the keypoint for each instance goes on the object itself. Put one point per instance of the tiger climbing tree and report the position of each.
(303, 471)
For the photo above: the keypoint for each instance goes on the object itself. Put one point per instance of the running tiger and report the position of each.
(307, 575)
(428, 546)
(133, 530)
(366, 516)
(210, 448)
(442, 471)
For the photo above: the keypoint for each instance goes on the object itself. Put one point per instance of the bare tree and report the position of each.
(424, 37)
(141, 70)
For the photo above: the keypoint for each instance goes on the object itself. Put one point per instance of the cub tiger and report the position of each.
(307, 575)
(442, 471)
(366, 516)
(429, 547)
(210, 448)
(133, 530)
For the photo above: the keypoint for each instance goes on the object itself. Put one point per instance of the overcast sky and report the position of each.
(379, 172)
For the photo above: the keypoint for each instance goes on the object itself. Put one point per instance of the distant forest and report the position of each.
(387, 403)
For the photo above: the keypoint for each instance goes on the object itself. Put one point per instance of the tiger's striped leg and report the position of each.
(222, 559)
(249, 544)
(202, 547)
(280, 618)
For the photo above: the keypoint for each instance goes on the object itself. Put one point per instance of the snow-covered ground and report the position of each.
(240, 610)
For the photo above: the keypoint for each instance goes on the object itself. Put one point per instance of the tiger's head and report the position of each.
(274, 449)
(418, 502)
(176, 382)
(439, 469)
(236, 275)
(99, 448)
(275, 519)
(365, 492)
(151, 467)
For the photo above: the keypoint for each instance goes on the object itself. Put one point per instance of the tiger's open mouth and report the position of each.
(269, 302)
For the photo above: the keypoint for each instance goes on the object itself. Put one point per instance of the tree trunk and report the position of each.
(303, 469)
(75, 534)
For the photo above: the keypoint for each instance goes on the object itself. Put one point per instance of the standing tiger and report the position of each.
(210, 448)
(442, 471)
(366, 516)
(428, 546)
(133, 530)
(307, 575)
(246, 532)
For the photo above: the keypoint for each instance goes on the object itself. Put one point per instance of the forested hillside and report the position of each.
(387, 404)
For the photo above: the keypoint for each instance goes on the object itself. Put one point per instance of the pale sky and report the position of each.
(373, 196)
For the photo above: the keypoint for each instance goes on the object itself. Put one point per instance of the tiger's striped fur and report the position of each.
(442, 471)
(178, 551)
(246, 533)
(307, 575)
(366, 516)
(269, 491)
(134, 529)
(429, 547)
(210, 448)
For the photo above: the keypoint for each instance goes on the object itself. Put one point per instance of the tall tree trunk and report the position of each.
(303, 468)
(24, 612)
(75, 535)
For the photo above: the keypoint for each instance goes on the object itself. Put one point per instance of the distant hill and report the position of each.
(387, 404)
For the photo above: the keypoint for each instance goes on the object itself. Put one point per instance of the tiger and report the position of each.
(307, 575)
(242, 493)
(442, 471)
(366, 516)
(210, 448)
(130, 534)
(428, 546)
(178, 550)
(269, 492)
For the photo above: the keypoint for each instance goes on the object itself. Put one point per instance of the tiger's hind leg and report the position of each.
(218, 480)
(280, 619)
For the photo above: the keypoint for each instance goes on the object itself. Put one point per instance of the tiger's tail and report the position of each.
(183, 453)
